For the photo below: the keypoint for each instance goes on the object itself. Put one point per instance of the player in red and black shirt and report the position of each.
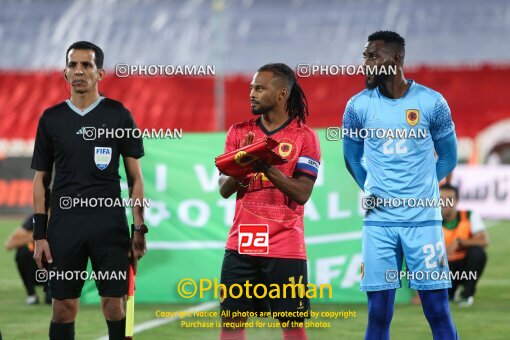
(272, 198)
(85, 167)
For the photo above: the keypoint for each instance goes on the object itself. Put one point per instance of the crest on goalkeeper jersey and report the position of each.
(413, 116)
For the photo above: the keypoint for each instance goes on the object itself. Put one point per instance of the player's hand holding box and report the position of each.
(239, 163)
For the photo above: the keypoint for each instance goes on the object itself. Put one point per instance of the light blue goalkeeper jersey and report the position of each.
(402, 163)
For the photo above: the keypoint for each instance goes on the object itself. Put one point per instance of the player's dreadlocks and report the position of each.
(297, 105)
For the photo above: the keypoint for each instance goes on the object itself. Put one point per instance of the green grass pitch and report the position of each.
(487, 319)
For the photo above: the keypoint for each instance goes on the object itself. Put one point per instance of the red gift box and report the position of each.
(239, 163)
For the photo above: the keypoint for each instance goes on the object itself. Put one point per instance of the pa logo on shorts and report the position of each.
(102, 157)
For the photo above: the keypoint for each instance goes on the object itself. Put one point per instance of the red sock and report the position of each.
(297, 333)
(237, 334)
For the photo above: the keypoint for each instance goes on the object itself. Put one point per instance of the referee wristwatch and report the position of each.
(141, 228)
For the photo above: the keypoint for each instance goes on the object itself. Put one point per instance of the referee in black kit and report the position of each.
(85, 168)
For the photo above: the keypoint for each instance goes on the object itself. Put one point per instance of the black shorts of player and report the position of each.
(240, 268)
(102, 236)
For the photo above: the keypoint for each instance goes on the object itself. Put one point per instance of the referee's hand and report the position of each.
(42, 253)
(138, 249)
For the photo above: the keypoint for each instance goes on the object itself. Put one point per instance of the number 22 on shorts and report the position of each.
(430, 251)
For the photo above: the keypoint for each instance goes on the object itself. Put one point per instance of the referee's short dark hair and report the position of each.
(85, 45)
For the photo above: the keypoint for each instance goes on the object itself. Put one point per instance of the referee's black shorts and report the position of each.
(102, 236)
(239, 268)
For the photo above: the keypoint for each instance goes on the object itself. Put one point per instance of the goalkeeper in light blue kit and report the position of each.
(400, 168)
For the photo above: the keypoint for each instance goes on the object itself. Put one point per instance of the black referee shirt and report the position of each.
(84, 168)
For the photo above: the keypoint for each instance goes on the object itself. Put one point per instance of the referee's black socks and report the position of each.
(61, 331)
(65, 331)
(117, 329)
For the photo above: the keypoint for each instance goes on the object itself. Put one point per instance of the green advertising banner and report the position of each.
(189, 223)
